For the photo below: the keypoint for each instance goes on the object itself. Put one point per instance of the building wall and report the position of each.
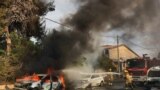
(124, 53)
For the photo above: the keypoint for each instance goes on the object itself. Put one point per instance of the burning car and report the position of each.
(26, 81)
(40, 82)
(49, 82)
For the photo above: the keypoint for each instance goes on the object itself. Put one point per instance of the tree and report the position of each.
(20, 20)
(23, 16)
(105, 63)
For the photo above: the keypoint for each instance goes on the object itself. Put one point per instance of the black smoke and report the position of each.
(63, 48)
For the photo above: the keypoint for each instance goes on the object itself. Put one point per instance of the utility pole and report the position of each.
(118, 53)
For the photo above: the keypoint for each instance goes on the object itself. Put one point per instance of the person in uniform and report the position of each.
(128, 80)
(110, 78)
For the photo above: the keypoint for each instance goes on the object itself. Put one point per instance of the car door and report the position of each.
(95, 80)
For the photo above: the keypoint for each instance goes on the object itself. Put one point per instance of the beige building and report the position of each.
(123, 51)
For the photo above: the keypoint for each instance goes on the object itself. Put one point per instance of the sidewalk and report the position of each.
(10, 87)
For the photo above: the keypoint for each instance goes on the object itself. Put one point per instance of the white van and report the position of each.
(153, 77)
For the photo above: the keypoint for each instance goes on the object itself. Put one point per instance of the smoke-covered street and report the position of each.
(75, 44)
(118, 84)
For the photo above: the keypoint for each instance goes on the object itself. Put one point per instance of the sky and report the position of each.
(65, 8)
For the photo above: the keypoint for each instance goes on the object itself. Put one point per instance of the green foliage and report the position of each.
(21, 48)
(8, 67)
(22, 18)
(80, 62)
(105, 63)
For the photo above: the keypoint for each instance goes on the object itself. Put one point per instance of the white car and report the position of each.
(153, 77)
(88, 80)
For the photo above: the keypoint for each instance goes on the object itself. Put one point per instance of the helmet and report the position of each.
(126, 71)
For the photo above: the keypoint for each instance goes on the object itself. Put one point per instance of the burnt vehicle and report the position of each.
(40, 82)
(25, 81)
(49, 82)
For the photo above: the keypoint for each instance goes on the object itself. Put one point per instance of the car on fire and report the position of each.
(26, 81)
(153, 77)
(48, 82)
(40, 82)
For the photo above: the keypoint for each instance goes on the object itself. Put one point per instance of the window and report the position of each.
(94, 76)
(106, 52)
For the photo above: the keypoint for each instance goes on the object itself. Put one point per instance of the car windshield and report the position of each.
(86, 76)
(95, 76)
(135, 63)
(154, 74)
(48, 77)
(41, 76)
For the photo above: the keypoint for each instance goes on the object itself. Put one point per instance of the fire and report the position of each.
(27, 77)
(61, 77)
(24, 78)
(35, 77)
(55, 76)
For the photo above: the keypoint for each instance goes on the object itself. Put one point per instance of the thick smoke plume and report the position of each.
(135, 17)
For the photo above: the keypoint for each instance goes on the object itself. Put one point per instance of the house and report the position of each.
(123, 51)
(119, 54)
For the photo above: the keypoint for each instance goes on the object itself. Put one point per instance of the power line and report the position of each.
(57, 22)
(150, 49)
(140, 46)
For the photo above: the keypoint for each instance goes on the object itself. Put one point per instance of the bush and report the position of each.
(105, 63)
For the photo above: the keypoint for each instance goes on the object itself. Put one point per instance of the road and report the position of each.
(118, 84)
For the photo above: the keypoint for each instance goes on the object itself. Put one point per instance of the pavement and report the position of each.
(118, 84)
(9, 86)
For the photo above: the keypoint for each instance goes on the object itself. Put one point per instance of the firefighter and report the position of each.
(110, 78)
(128, 80)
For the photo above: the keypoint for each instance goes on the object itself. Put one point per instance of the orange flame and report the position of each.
(61, 77)
(24, 78)
(27, 77)
(35, 77)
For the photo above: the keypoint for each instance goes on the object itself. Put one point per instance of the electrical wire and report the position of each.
(135, 44)
(57, 22)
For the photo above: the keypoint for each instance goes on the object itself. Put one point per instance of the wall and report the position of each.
(124, 53)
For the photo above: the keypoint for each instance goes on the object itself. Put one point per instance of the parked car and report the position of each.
(153, 77)
(90, 80)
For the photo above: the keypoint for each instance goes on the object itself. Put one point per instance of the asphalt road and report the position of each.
(118, 84)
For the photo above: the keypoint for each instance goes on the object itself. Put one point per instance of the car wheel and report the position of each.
(148, 88)
(89, 86)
